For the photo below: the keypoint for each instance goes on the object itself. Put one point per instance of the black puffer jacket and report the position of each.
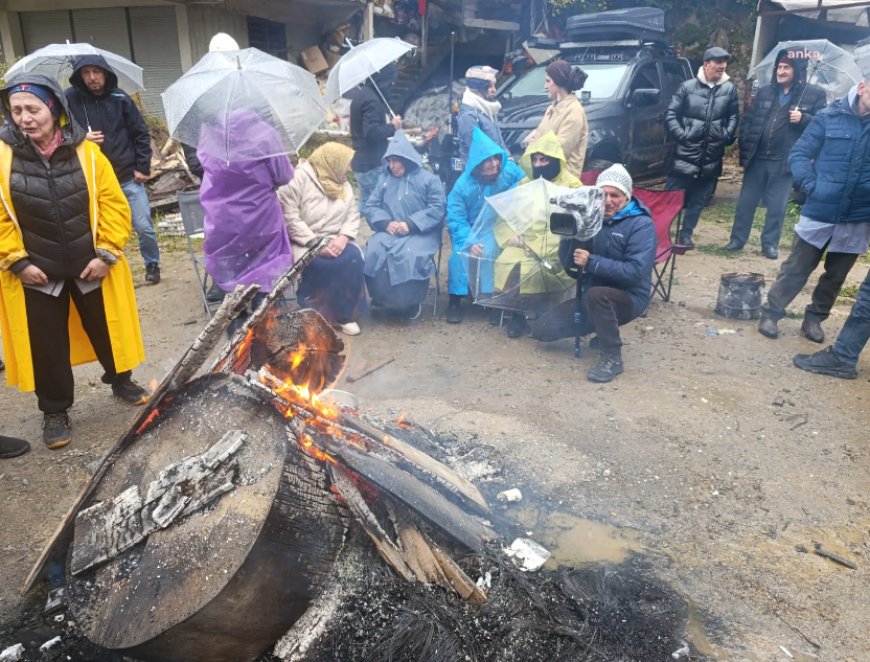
(127, 143)
(369, 129)
(50, 197)
(702, 120)
(766, 126)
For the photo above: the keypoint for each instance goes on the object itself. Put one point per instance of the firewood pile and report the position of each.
(240, 510)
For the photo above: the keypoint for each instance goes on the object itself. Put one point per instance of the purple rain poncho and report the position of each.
(246, 241)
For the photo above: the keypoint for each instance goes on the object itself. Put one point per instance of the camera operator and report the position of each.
(615, 269)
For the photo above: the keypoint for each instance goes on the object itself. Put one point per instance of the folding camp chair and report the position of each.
(666, 208)
(193, 219)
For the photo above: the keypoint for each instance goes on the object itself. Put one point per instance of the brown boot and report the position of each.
(811, 329)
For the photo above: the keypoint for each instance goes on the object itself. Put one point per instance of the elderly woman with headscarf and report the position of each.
(406, 211)
(565, 116)
(64, 222)
(319, 203)
(478, 108)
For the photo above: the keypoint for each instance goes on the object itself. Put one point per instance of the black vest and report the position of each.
(51, 201)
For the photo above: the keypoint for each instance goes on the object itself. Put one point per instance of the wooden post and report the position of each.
(369, 22)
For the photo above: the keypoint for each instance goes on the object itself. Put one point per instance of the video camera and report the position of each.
(583, 215)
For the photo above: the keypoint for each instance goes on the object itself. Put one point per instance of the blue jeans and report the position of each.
(856, 330)
(367, 181)
(697, 193)
(763, 179)
(142, 223)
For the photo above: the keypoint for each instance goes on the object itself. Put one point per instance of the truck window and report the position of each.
(647, 77)
(674, 75)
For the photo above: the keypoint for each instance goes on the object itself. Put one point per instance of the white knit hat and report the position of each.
(617, 177)
(222, 42)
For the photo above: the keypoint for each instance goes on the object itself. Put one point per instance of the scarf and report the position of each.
(56, 141)
(330, 162)
(488, 108)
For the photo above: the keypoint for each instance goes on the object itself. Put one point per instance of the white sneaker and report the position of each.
(350, 329)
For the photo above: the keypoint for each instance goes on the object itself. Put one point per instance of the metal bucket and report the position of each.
(740, 296)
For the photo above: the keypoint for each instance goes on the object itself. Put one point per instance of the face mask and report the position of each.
(548, 172)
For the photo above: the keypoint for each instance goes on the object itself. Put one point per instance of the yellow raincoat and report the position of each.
(111, 226)
(537, 237)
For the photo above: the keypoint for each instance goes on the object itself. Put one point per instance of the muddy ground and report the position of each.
(711, 455)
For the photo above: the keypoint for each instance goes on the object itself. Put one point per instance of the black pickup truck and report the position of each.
(632, 77)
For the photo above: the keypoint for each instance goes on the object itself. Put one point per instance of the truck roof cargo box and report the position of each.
(645, 23)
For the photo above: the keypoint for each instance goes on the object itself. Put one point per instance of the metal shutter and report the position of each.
(156, 50)
(41, 28)
(104, 28)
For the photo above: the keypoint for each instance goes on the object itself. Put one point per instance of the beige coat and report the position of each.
(567, 119)
(310, 215)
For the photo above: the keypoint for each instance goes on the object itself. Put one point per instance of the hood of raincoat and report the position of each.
(401, 147)
(483, 147)
(10, 133)
(799, 64)
(92, 61)
(549, 146)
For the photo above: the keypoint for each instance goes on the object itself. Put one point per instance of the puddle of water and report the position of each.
(574, 541)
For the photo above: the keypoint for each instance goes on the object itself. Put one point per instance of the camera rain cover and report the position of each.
(511, 257)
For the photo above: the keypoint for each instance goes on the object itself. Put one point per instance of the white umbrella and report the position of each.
(208, 107)
(56, 61)
(361, 62)
(828, 66)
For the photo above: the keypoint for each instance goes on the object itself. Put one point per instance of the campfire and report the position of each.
(234, 514)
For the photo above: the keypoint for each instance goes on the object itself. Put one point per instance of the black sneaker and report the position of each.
(767, 327)
(454, 312)
(770, 252)
(825, 362)
(685, 240)
(518, 326)
(56, 430)
(811, 329)
(130, 392)
(607, 368)
(214, 295)
(152, 274)
(12, 447)
(733, 246)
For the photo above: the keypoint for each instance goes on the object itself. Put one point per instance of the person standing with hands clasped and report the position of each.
(702, 119)
(778, 116)
(113, 122)
(66, 292)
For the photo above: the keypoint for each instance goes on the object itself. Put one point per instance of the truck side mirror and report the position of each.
(644, 96)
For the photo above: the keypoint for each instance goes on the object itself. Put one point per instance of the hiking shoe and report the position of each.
(413, 312)
(12, 447)
(152, 273)
(811, 329)
(56, 430)
(770, 252)
(518, 326)
(454, 312)
(130, 392)
(733, 246)
(685, 240)
(607, 368)
(214, 295)
(767, 327)
(825, 362)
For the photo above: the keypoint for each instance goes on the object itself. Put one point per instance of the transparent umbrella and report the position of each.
(828, 66)
(361, 62)
(224, 93)
(56, 61)
(511, 257)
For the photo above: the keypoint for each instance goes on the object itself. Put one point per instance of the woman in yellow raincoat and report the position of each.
(523, 254)
(64, 222)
